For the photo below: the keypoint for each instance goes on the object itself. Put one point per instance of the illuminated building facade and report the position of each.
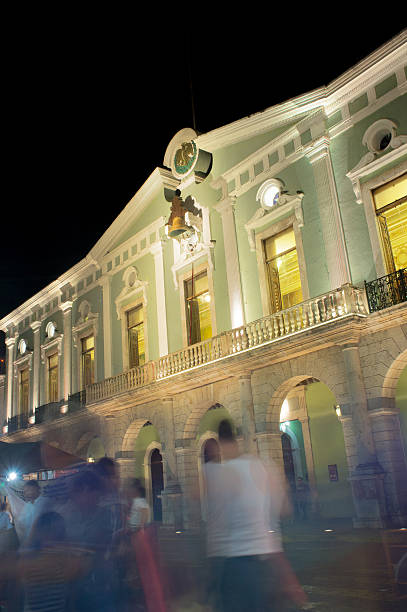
(260, 275)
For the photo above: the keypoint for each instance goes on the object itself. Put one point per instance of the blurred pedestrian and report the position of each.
(302, 495)
(139, 510)
(88, 526)
(32, 508)
(47, 566)
(5, 517)
(248, 497)
(107, 469)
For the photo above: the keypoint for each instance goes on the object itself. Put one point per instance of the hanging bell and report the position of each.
(178, 227)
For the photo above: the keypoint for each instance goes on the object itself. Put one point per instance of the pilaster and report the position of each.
(247, 412)
(10, 343)
(332, 229)
(106, 282)
(66, 308)
(367, 477)
(226, 210)
(36, 327)
(157, 252)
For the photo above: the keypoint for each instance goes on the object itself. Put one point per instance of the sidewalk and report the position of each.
(342, 570)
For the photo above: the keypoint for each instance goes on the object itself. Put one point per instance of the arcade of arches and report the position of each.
(312, 445)
(300, 414)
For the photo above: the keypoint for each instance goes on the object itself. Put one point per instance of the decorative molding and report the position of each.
(136, 246)
(51, 347)
(365, 197)
(374, 165)
(133, 286)
(23, 362)
(262, 217)
(195, 246)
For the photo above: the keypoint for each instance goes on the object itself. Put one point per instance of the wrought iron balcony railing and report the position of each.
(337, 304)
(16, 422)
(387, 291)
(45, 413)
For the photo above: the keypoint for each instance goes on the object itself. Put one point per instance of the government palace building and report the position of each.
(259, 275)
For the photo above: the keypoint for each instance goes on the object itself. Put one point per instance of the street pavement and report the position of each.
(341, 569)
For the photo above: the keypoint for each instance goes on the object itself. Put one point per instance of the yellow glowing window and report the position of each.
(88, 361)
(24, 386)
(53, 378)
(135, 337)
(198, 308)
(283, 273)
(391, 210)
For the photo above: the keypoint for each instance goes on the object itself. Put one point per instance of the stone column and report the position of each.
(269, 445)
(226, 210)
(36, 327)
(306, 434)
(367, 477)
(66, 308)
(157, 252)
(106, 282)
(247, 412)
(309, 459)
(171, 496)
(127, 466)
(390, 453)
(187, 468)
(329, 212)
(10, 343)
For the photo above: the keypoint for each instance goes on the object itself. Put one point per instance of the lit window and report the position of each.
(24, 390)
(88, 361)
(135, 337)
(198, 308)
(391, 210)
(53, 378)
(283, 272)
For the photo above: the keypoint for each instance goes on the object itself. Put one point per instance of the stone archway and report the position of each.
(392, 377)
(311, 418)
(191, 426)
(388, 440)
(83, 443)
(131, 435)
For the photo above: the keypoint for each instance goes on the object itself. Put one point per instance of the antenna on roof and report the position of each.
(192, 95)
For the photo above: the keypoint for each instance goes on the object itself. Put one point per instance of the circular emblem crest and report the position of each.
(185, 157)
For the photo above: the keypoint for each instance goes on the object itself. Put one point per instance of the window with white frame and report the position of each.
(135, 336)
(53, 387)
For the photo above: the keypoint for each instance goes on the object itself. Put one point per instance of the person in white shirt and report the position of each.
(139, 510)
(245, 502)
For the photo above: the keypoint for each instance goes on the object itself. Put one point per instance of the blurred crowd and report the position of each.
(88, 543)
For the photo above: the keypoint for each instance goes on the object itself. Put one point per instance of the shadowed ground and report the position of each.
(342, 570)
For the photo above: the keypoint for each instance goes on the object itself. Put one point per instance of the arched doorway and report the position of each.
(96, 450)
(157, 483)
(313, 447)
(288, 460)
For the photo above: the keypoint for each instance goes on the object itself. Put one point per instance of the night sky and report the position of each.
(90, 111)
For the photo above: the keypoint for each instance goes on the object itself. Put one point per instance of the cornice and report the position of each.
(347, 86)
(159, 178)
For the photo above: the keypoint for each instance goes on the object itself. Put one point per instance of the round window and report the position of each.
(378, 136)
(22, 346)
(50, 329)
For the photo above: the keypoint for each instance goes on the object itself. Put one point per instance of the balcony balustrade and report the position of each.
(387, 291)
(337, 304)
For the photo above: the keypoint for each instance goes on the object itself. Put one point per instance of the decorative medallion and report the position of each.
(185, 157)
(186, 160)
